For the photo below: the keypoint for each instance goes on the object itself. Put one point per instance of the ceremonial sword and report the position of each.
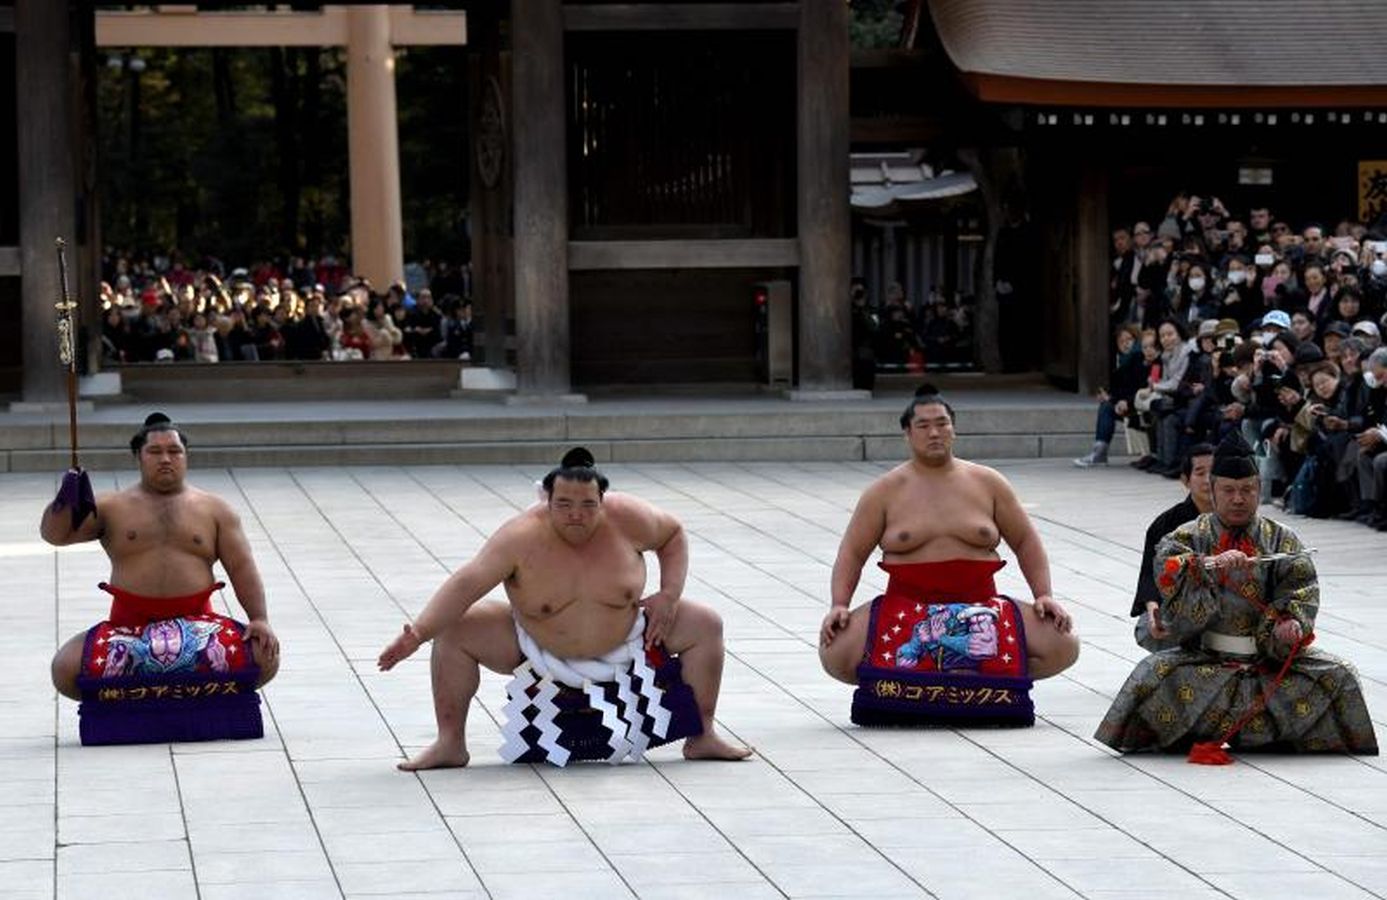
(67, 347)
(1269, 557)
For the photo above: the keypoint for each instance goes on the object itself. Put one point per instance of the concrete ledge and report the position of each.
(1066, 445)
(727, 425)
(539, 453)
(102, 384)
(546, 399)
(738, 450)
(28, 407)
(800, 396)
(486, 380)
(231, 382)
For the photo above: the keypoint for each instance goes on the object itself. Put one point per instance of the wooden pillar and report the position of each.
(373, 147)
(1091, 258)
(47, 185)
(825, 354)
(541, 198)
(489, 113)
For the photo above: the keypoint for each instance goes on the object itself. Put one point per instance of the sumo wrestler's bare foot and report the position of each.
(710, 746)
(438, 755)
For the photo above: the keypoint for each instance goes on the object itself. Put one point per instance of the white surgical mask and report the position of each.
(1264, 259)
(1237, 276)
(1196, 284)
(1379, 267)
(1369, 378)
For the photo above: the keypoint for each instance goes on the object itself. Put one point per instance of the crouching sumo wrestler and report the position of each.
(941, 646)
(600, 672)
(163, 666)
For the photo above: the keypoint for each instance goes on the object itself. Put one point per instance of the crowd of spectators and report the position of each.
(157, 309)
(1224, 323)
(900, 336)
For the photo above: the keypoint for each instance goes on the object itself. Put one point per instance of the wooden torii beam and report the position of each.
(370, 34)
(182, 25)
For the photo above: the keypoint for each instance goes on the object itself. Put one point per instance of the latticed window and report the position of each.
(681, 135)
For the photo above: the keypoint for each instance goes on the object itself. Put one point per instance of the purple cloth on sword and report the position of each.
(75, 494)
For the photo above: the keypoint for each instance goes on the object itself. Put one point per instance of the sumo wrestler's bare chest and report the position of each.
(606, 572)
(960, 516)
(136, 528)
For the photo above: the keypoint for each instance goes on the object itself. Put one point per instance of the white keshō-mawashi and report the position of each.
(542, 671)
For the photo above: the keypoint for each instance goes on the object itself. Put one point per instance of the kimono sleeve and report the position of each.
(1293, 592)
(1189, 596)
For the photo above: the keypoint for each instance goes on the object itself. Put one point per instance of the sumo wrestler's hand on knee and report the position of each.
(660, 610)
(1047, 608)
(263, 642)
(837, 619)
(399, 649)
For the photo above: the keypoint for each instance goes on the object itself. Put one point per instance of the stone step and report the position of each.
(750, 449)
(456, 432)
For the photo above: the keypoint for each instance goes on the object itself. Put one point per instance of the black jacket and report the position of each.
(1166, 522)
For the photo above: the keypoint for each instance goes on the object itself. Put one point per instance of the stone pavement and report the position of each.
(316, 809)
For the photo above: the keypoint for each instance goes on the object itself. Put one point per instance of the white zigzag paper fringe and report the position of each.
(549, 732)
(517, 689)
(634, 735)
(611, 719)
(655, 706)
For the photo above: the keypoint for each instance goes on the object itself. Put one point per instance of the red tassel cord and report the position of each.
(1212, 753)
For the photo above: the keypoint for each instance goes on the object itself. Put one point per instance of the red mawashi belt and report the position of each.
(134, 610)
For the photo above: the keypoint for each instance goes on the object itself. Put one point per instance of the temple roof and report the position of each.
(1176, 52)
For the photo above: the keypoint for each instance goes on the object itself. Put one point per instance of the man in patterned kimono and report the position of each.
(1239, 592)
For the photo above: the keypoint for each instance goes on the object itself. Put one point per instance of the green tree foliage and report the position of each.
(242, 153)
(431, 86)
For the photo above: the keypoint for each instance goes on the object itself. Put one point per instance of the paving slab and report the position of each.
(317, 809)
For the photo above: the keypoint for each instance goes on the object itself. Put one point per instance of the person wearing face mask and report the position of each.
(1199, 301)
(1238, 297)
(1371, 445)
(1374, 282)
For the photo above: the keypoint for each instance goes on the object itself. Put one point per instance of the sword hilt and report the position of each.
(67, 331)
